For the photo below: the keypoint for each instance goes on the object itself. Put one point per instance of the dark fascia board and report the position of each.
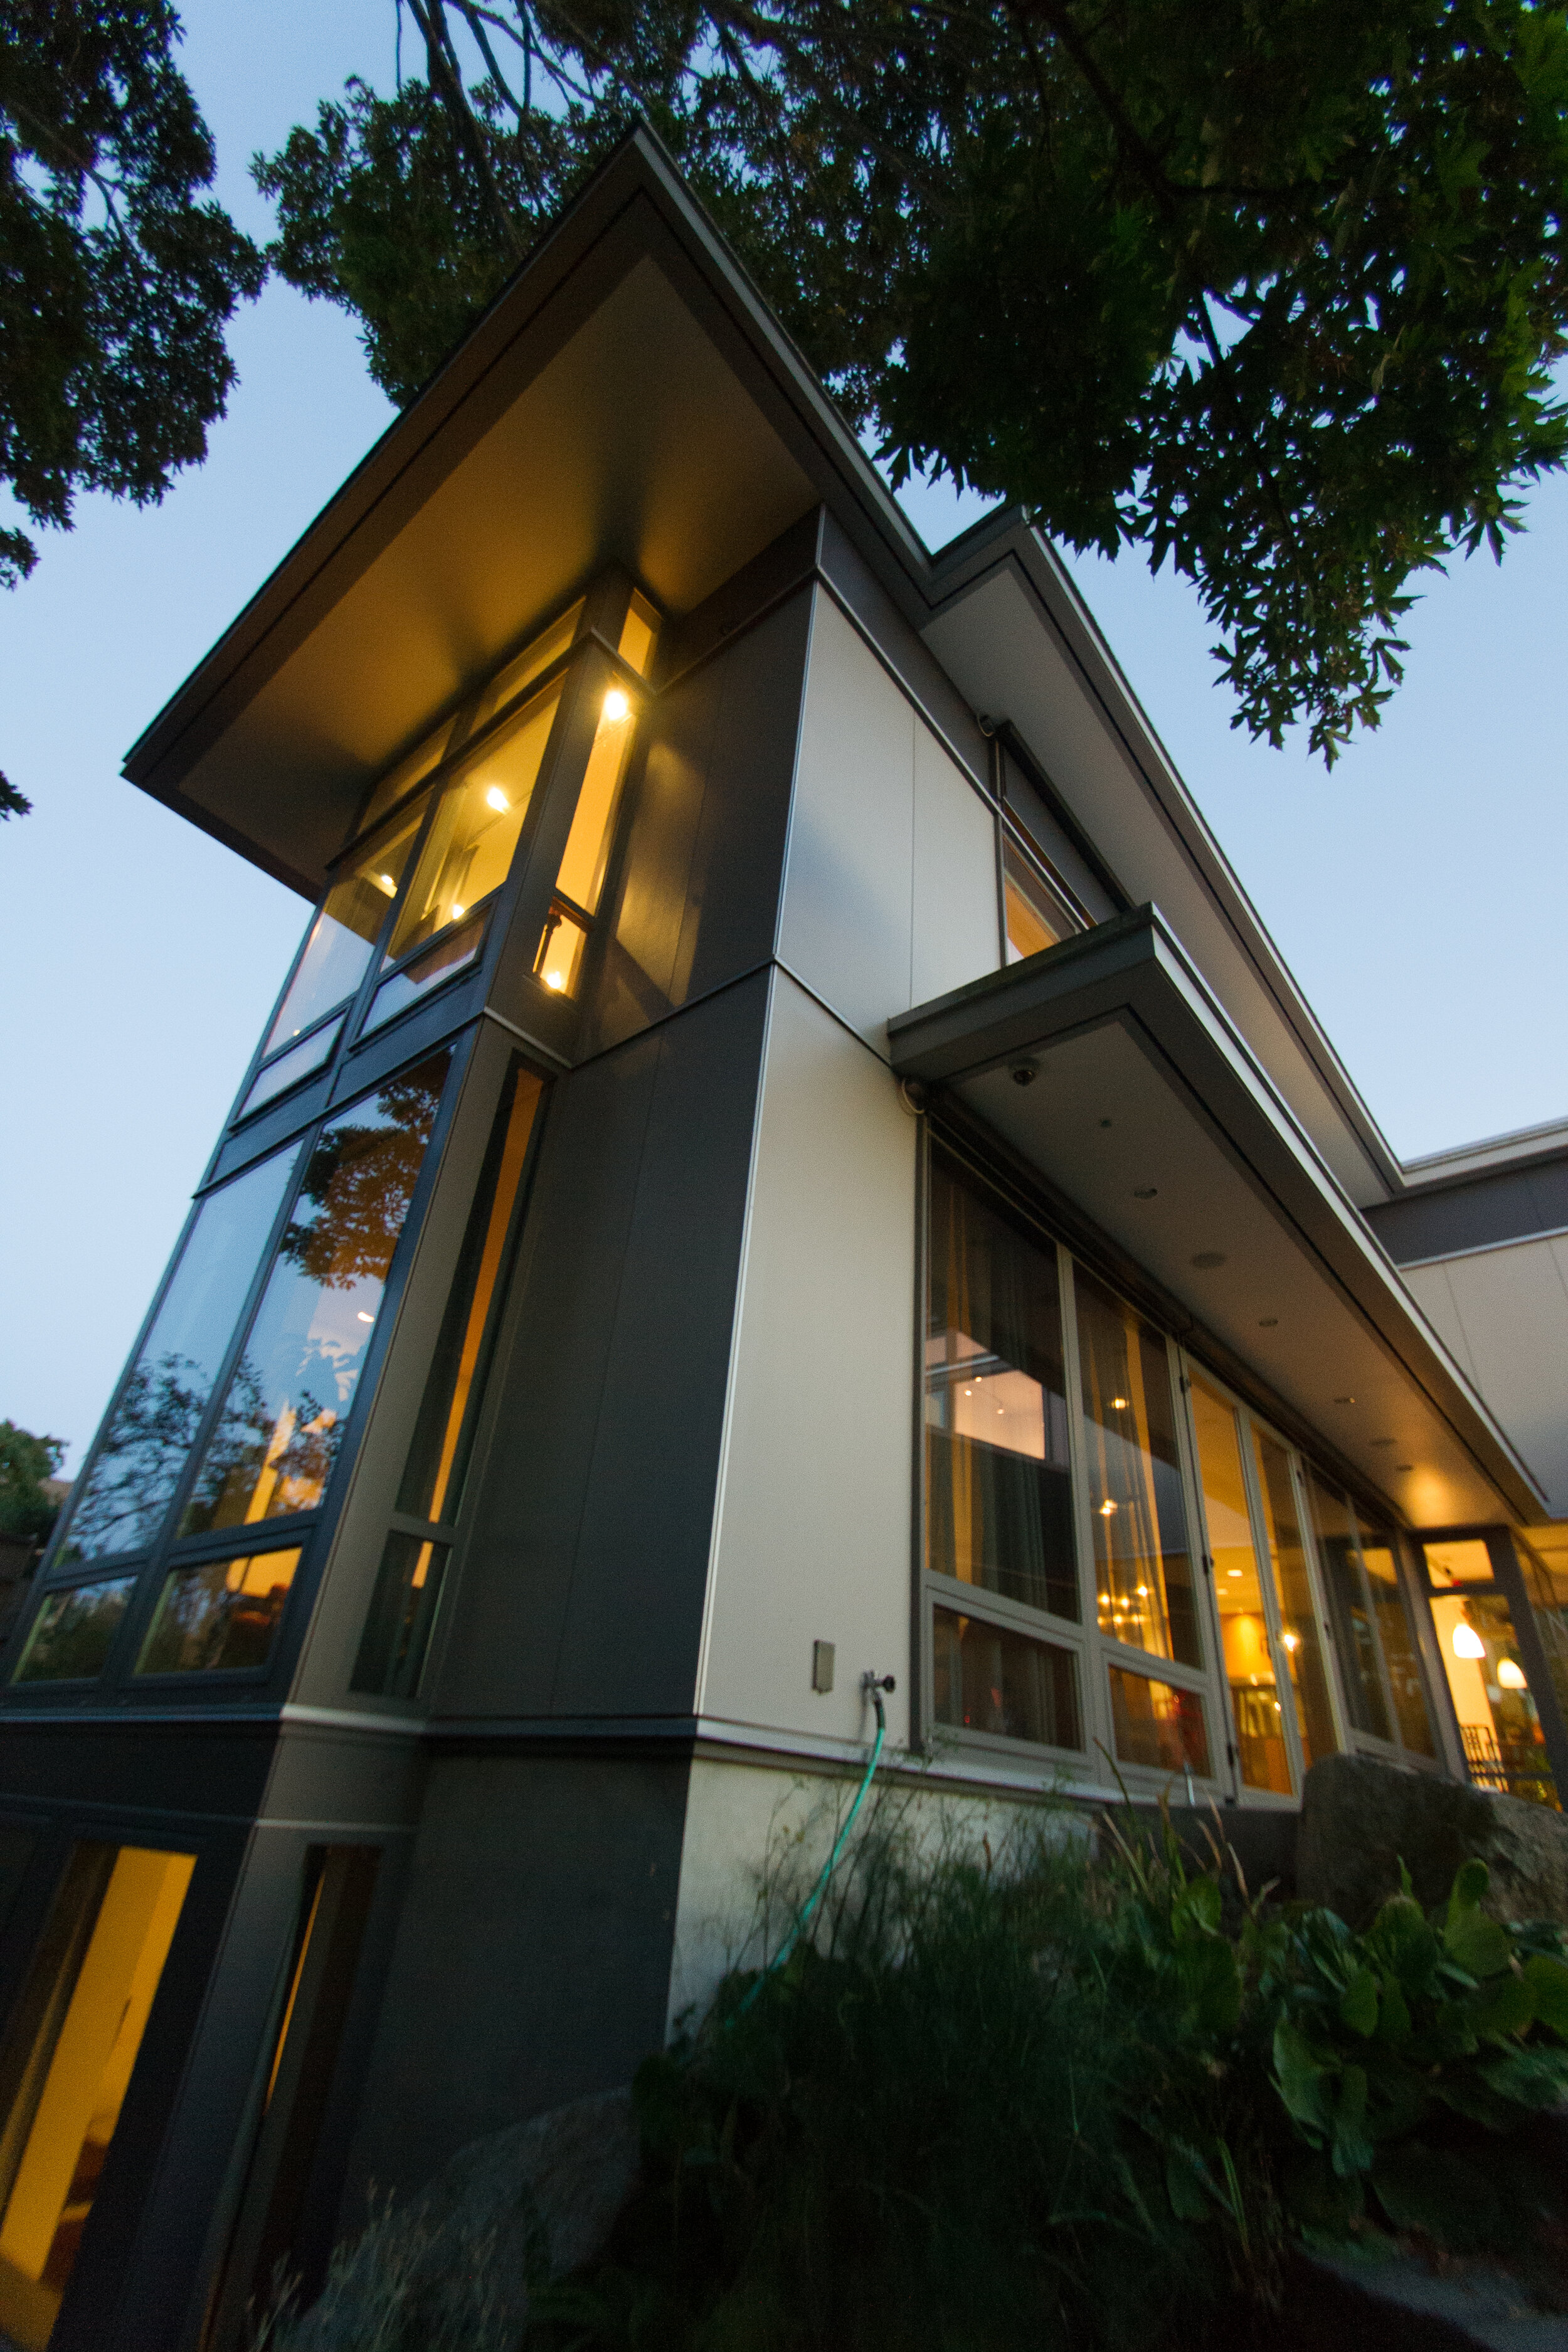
(1135, 971)
(1008, 537)
(639, 188)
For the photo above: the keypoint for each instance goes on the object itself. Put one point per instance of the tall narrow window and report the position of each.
(1399, 1652)
(999, 1488)
(1256, 1709)
(575, 901)
(1349, 1611)
(396, 1639)
(288, 1398)
(1037, 914)
(1298, 1615)
(1144, 1567)
(343, 934)
(66, 2062)
(1505, 1747)
(153, 1424)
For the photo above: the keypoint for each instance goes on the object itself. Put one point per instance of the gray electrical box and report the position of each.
(821, 1665)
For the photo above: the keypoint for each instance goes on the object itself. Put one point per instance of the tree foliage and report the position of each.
(26, 1462)
(1274, 292)
(116, 281)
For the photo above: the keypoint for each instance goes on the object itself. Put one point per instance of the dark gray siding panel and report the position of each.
(1509, 1206)
(695, 902)
(583, 1574)
(532, 1958)
(634, 1617)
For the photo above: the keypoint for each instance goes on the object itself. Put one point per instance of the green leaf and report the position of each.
(1471, 1883)
(1188, 2184)
(1351, 2149)
(1197, 1908)
(1502, 2007)
(1394, 2015)
(1547, 1981)
(1358, 2003)
(1533, 2078)
(1302, 2080)
(1474, 1942)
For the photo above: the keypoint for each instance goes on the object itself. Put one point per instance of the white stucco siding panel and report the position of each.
(1510, 1306)
(844, 922)
(813, 1532)
(955, 927)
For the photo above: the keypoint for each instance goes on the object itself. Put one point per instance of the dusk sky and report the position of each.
(1415, 892)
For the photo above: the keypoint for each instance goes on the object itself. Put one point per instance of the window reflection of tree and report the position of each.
(282, 1421)
(142, 1454)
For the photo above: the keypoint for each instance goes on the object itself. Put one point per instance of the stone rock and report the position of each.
(449, 2271)
(1360, 1818)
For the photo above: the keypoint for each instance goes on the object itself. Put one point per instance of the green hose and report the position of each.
(818, 1891)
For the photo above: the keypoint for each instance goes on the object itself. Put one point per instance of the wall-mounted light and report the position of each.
(1468, 1642)
(1511, 1675)
(495, 798)
(617, 704)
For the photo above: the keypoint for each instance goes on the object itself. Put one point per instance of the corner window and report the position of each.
(74, 1631)
(575, 899)
(1499, 1724)
(342, 938)
(219, 1614)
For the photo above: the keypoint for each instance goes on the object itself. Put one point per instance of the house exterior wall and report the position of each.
(1504, 1314)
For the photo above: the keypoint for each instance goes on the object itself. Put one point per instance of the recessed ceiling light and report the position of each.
(1404, 1466)
(1382, 1440)
(1207, 1258)
(1144, 1191)
(1266, 1322)
(1105, 1122)
(1344, 1400)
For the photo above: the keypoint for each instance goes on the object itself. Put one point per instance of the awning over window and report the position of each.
(1108, 1065)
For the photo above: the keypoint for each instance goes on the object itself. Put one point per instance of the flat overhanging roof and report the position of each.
(1148, 1111)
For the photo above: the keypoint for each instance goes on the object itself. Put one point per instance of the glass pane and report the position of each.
(451, 955)
(467, 851)
(224, 1613)
(998, 1488)
(1037, 917)
(1498, 1720)
(639, 634)
(290, 1069)
(583, 860)
(67, 2062)
(1349, 1613)
(346, 930)
(1399, 1652)
(1547, 1586)
(1469, 1562)
(561, 949)
(154, 1425)
(433, 1477)
(1293, 1586)
(74, 1631)
(987, 1678)
(1143, 1568)
(1156, 1725)
(514, 675)
(1255, 1703)
(282, 1421)
(402, 1618)
(408, 772)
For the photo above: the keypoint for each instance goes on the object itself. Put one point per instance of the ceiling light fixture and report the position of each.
(1267, 1322)
(615, 705)
(495, 798)
(1468, 1644)
(1511, 1675)
(1144, 1191)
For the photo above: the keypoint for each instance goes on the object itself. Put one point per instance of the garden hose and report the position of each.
(873, 1685)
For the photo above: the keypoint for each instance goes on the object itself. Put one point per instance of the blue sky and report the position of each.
(1415, 892)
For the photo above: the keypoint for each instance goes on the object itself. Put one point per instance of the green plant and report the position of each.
(1399, 2054)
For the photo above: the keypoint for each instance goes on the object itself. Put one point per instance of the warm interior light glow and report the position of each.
(1468, 1642)
(1511, 1675)
(1118, 1405)
(384, 882)
(495, 798)
(458, 911)
(616, 704)
(1107, 1509)
(554, 980)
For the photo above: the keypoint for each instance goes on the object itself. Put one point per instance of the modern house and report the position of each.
(773, 1014)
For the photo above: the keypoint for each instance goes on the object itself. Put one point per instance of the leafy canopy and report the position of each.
(1273, 292)
(26, 1462)
(116, 283)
